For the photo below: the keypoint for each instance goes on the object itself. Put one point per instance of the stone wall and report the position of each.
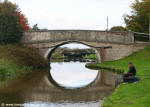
(118, 52)
(140, 45)
(79, 35)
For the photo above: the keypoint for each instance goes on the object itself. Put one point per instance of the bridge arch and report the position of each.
(122, 43)
(50, 51)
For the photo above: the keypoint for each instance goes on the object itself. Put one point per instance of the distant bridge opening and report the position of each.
(75, 51)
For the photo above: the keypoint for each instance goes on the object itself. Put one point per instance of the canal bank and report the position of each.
(17, 60)
(136, 94)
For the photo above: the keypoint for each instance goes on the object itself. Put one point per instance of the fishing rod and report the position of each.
(144, 75)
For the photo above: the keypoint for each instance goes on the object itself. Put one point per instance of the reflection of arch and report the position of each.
(103, 79)
(45, 90)
(95, 82)
(53, 48)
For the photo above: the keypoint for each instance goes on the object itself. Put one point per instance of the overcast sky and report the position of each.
(74, 14)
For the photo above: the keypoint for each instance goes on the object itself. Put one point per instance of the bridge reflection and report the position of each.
(41, 87)
(48, 90)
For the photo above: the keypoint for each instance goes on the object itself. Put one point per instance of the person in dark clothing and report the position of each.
(132, 69)
(130, 74)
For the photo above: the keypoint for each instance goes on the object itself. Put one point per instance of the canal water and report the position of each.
(67, 84)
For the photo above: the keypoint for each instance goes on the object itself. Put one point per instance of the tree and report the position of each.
(35, 27)
(23, 21)
(138, 21)
(10, 29)
(118, 28)
(11, 26)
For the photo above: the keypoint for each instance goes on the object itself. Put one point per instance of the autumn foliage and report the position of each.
(23, 21)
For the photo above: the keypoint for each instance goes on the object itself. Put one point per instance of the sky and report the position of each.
(75, 46)
(74, 14)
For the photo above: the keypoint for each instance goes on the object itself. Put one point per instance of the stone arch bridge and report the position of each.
(108, 45)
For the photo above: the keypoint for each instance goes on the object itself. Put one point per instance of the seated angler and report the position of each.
(130, 75)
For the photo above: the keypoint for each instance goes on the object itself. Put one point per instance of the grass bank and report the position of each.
(57, 56)
(136, 94)
(92, 56)
(17, 60)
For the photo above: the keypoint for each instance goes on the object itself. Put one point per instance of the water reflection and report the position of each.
(72, 74)
(37, 90)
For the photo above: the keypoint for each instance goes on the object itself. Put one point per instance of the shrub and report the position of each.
(22, 55)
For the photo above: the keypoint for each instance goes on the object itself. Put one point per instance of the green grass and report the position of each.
(104, 68)
(136, 94)
(10, 71)
(57, 56)
(93, 56)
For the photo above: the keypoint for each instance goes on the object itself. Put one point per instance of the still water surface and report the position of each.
(72, 74)
(37, 90)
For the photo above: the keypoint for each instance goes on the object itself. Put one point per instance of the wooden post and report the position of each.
(149, 28)
(102, 54)
(102, 79)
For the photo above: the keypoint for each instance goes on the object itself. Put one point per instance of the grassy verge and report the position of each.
(92, 56)
(16, 60)
(57, 56)
(10, 70)
(136, 94)
(104, 68)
